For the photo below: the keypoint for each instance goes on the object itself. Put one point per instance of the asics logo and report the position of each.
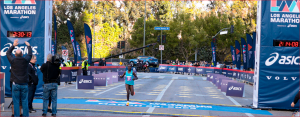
(284, 60)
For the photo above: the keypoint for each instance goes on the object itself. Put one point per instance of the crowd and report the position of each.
(205, 64)
(24, 80)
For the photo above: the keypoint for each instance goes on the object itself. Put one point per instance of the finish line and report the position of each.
(159, 105)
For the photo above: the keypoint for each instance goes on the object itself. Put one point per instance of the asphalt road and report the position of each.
(155, 94)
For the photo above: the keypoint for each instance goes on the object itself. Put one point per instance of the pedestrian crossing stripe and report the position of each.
(191, 78)
(161, 77)
(174, 77)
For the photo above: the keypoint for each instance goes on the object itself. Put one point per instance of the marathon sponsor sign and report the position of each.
(181, 69)
(114, 76)
(85, 82)
(218, 71)
(100, 79)
(235, 89)
(190, 69)
(277, 66)
(153, 69)
(74, 74)
(109, 79)
(120, 73)
(26, 20)
(224, 84)
(224, 71)
(2, 86)
(219, 81)
(200, 70)
(172, 69)
(209, 70)
(229, 72)
(65, 76)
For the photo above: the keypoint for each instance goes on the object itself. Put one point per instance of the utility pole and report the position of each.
(144, 29)
(94, 40)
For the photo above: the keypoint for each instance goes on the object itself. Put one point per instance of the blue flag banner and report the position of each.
(276, 76)
(244, 50)
(233, 55)
(249, 51)
(55, 35)
(238, 54)
(78, 51)
(254, 47)
(73, 40)
(213, 48)
(89, 42)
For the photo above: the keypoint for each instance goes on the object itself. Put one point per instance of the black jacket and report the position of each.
(102, 63)
(19, 66)
(50, 72)
(33, 78)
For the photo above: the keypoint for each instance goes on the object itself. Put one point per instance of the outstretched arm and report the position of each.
(123, 75)
(29, 55)
(135, 76)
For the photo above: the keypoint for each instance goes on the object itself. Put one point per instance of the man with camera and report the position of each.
(51, 73)
(33, 82)
(19, 77)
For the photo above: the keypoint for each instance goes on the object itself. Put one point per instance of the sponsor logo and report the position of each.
(3, 67)
(200, 70)
(234, 74)
(284, 6)
(22, 48)
(88, 39)
(223, 72)
(189, 70)
(85, 81)
(64, 75)
(285, 60)
(19, 2)
(235, 88)
(237, 51)
(180, 69)
(281, 25)
(172, 68)
(278, 78)
(24, 17)
(74, 73)
(249, 47)
(292, 26)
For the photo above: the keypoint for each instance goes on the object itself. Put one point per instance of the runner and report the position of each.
(129, 82)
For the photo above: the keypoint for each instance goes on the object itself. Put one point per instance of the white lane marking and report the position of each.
(158, 98)
(112, 88)
(236, 103)
(161, 77)
(204, 78)
(190, 78)
(146, 76)
(174, 77)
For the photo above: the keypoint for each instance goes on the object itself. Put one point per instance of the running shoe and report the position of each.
(127, 104)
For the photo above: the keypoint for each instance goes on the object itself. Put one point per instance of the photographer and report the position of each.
(50, 71)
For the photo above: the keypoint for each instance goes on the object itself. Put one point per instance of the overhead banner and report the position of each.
(277, 59)
(238, 54)
(254, 48)
(249, 51)
(89, 42)
(78, 51)
(27, 20)
(213, 48)
(244, 50)
(233, 55)
(55, 35)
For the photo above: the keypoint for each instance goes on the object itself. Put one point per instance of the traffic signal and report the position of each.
(119, 44)
(214, 40)
(158, 38)
(122, 44)
(164, 39)
(231, 29)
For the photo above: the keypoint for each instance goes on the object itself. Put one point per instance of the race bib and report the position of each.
(128, 78)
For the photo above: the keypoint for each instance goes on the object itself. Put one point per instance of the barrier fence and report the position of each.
(233, 73)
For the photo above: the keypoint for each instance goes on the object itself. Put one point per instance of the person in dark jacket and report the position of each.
(85, 66)
(50, 72)
(33, 82)
(102, 62)
(19, 77)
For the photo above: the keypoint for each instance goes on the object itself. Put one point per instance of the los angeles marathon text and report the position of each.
(285, 18)
(20, 10)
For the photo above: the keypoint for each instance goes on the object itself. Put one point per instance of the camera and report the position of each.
(57, 60)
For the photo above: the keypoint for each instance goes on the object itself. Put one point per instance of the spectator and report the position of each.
(177, 62)
(102, 62)
(85, 66)
(33, 82)
(51, 74)
(235, 67)
(186, 63)
(19, 77)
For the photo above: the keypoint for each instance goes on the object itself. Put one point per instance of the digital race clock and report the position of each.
(286, 43)
(19, 34)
